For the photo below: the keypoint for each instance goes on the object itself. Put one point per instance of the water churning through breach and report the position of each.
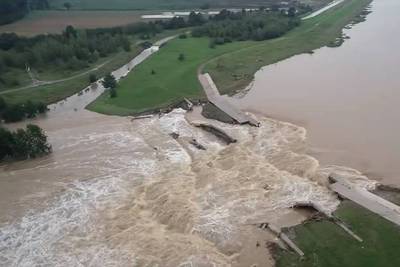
(118, 192)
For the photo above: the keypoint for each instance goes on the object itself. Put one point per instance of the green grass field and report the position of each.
(327, 245)
(173, 79)
(231, 65)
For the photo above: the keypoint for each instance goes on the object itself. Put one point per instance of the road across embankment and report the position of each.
(322, 10)
(366, 199)
(215, 98)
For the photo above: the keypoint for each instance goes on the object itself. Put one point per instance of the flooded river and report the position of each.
(122, 192)
(347, 98)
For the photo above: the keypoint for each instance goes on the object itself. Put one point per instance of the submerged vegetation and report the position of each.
(23, 143)
(18, 112)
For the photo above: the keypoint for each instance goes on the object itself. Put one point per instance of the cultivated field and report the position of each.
(158, 4)
(55, 21)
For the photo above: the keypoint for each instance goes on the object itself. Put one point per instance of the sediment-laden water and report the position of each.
(347, 97)
(122, 192)
(117, 192)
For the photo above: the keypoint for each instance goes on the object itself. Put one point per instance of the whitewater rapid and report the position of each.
(118, 192)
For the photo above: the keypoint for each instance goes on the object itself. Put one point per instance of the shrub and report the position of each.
(181, 57)
(113, 93)
(23, 144)
(183, 36)
(92, 78)
(13, 113)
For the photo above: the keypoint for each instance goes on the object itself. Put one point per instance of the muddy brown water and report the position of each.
(117, 192)
(347, 98)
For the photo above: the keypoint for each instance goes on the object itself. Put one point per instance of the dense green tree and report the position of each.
(291, 12)
(70, 32)
(18, 112)
(30, 109)
(113, 93)
(181, 57)
(6, 140)
(109, 81)
(12, 10)
(67, 5)
(20, 144)
(3, 104)
(196, 19)
(92, 78)
(13, 113)
(256, 25)
(175, 23)
(212, 44)
(126, 45)
(41, 108)
(37, 141)
(23, 144)
(8, 40)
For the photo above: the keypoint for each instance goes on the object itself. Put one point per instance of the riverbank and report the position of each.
(165, 80)
(127, 191)
(146, 193)
(234, 71)
(326, 244)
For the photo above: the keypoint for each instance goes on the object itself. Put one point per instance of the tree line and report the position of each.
(256, 25)
(18, 112)
(23, 143)
(12, 10)
(74, 49)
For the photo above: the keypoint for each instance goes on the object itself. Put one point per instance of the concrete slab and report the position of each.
(215, 98)
(366, 199)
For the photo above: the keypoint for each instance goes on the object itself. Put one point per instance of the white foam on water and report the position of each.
(151, 200)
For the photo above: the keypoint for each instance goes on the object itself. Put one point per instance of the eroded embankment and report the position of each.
(127, 193)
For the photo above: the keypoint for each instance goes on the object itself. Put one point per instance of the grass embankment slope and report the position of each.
(231, 65)
(233, 72)
(173, 79)
(327, 245)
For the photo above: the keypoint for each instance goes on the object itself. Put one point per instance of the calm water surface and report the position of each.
(347, 98)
